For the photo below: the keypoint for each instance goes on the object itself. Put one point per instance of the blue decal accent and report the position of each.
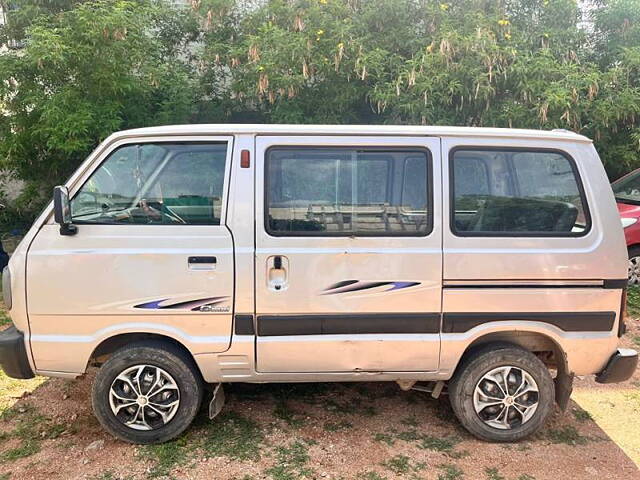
(151, 305)
(349, 286)
(399, 285)
(192, 305)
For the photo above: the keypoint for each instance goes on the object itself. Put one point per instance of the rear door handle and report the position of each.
(202, 263)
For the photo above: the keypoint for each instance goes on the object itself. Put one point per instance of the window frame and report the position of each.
(105, 154)
(358, 148)
(486, 148)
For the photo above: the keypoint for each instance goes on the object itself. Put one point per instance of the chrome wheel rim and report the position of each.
(144, 397)
(634, 271)
(506, 397)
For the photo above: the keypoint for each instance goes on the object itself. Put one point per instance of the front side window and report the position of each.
(516, 193)
(155, 183)
(347, 191)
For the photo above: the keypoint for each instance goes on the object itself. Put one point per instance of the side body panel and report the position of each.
(318, 269)
(557, 283)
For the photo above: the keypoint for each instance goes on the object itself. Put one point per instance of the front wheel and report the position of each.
(147, 392)
(502, 393)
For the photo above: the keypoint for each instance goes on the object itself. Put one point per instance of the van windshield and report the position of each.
(627, 189)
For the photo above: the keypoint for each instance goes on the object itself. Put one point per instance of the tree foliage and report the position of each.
(89, 67)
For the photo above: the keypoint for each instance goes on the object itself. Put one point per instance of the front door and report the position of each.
(348, 254)
(152, 253)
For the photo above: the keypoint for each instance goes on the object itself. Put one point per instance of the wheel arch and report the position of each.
(543, 346)
(113, 343)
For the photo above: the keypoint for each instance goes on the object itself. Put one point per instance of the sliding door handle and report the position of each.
(201, 260)
(202, 263)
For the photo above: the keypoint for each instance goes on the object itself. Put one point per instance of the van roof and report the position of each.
(337, 130)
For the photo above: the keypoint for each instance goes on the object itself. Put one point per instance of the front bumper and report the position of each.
(620, 366)
(13, 355)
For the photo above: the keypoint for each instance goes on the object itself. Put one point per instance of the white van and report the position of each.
(491, 261)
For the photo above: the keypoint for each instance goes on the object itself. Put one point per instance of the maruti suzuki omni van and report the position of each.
(487, 262)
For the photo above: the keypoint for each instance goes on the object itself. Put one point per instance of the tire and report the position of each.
(633, 271)
(494, 360)
(160, 366)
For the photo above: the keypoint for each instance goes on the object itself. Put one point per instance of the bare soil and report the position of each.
(369, 431)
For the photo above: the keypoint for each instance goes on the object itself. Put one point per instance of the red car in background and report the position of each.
(627, 192)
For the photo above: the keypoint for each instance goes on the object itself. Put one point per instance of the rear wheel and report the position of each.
(634, 266)
(502, 393)
(147, 392)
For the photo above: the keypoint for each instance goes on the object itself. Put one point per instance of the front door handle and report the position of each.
(202, 263)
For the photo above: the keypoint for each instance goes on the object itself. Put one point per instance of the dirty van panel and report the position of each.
(532, 243)
(528, 210)
(151, 254)
(348, 254)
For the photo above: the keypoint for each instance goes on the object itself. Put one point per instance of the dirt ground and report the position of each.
(362, 431)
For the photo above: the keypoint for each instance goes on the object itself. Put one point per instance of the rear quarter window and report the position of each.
(516, 192)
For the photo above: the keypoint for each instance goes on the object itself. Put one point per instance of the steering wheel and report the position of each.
(153, 212)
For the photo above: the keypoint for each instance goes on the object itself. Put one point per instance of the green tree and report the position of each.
(84, 72)
(90, 67)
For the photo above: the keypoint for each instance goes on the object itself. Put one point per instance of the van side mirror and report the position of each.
(62, 211)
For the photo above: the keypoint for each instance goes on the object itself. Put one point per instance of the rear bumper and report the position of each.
(620, 366)
(13, 355)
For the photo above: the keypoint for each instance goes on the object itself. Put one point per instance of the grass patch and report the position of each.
(450, 472)
(633, 301)
(422, 440)
(526, 476)
(286, 414)
(410, 421)
(10, 388)
(167, 456)
(234, 436)
(371, 476)
(429, 442)
(386, 438)
(581, 415)
(4, 319)
(351, 406)
(568, 435)
(290, 462)
(31, 429)
(401, 464)
(438, 444)
(337, 426)
(398, 464)
(493, 474)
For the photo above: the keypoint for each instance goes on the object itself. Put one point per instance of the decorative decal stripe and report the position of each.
(567, 321)
(244, 325)
(380, 323)
(348, 286)
(193, 305)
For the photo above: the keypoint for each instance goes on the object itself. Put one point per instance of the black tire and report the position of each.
(472, 370)
(633, 252)
(157, 354)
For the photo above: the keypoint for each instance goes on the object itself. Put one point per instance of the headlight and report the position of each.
(6, 287)
(628, 221)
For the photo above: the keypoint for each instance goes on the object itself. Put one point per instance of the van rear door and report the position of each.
(348, 254)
